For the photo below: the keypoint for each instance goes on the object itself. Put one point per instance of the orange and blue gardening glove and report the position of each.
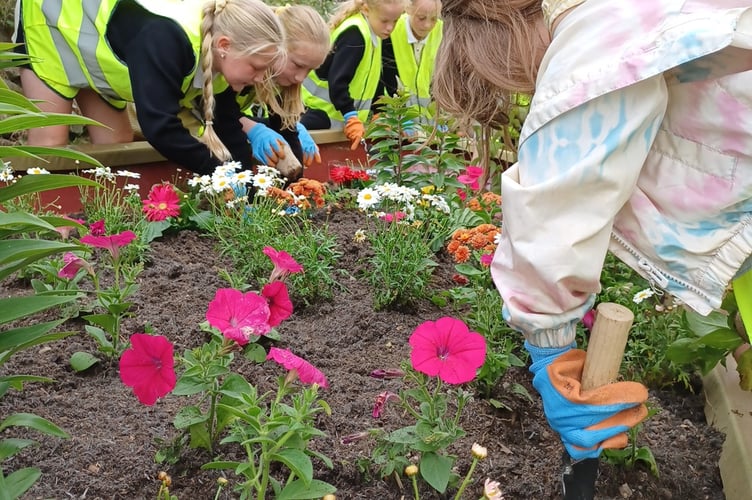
(586, 421)
(354, 129)
(308, 145)
(266, 144)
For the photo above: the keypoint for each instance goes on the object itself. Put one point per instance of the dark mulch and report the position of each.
(111, 451)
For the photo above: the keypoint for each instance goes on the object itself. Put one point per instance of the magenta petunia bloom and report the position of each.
(307, 373)
(283, 262)
(447, 348)
(111, 243)
(393, 217)
(148, 367)
(65, 231)
(162, 202)
(280, 306)
(238, 315)
(380, 404)
(486, 259)
(97, 228)
(71, 264)
(470, 177)
(589, 319)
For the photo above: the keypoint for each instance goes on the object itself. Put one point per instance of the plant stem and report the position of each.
(466, 481)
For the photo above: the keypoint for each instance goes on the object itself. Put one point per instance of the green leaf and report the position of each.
(20, 338)
(254, 352)
(187, 386)
(81, 361)
(23, 122)
(299, 490)
(38, 183)
(14, 308)
(189, 416)
(21, 480)
(16, 381)
(39, 152)
(11, 446)
(220, 464)
(35, 422)
(297, 461)
(702, 325)
(436, 469)
(154, 230)
(744, 367)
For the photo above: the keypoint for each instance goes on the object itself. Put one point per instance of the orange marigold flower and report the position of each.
(486, 228)
(452, 246)
(478, 241)
(462, 235)
(491, 198)
(474, 205)
(462, 254)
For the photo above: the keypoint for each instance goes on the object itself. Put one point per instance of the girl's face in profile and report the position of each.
(302, 58)
(239, 69)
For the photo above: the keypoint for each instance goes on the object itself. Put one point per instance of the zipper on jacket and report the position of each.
(655, 276)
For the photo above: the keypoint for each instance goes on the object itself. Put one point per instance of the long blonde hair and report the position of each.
(253, 28)
(489, 51)
(303, 25)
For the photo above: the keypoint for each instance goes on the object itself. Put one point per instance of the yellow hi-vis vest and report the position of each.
(69, 51)
(416, 75)
(363, 86)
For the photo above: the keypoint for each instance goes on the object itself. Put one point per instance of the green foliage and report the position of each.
(425, 400)
(630, 456)
(402, 264)
(409, 153)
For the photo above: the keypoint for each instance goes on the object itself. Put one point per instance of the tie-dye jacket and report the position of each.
(639, 139)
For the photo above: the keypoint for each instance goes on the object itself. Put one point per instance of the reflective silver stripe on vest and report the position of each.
(323, 94)
(73, 72)
(88, 47)
(422, 102)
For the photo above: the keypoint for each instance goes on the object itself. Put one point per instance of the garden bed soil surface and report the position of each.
(110, 454)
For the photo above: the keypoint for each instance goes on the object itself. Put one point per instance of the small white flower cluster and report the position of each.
(37, 171)
(6, 174)
(229, 177)
(407, 198)
(642, 295)
(105, 173)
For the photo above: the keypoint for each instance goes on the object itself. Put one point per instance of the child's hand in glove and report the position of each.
(587, 421)
(354, 129)
(266, 144)
(310, 149)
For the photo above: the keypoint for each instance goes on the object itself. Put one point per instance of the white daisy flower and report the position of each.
(359, 236)
(368, 198)
(131, 187)
(642, 295)
(37, 171)
(127, 173)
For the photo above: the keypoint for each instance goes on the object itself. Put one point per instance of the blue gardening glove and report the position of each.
(408, 128)
(587, 421)
(310, 149)
(266, 144)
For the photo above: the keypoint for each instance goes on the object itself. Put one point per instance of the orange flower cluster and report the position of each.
(487, 202)
(309, 189)
(465, 241)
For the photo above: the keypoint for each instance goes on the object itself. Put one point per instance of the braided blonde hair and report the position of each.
(253, 28)
(490, 50)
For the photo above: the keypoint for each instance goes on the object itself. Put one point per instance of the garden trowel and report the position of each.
(604, 354)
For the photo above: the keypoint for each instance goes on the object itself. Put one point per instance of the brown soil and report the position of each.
(110, 454)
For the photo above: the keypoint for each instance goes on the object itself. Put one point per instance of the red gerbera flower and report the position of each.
(306, 372)
(238, 315)
(447, 348)
(162, 202)
(148, 367)
(280, 306)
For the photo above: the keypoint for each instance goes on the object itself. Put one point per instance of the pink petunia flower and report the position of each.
(97, 228)
(65, 231)
(280, 306)
(148, 367)
(380, 404)
(239, 315)
(393, 217)
(447, 348)
(283, 262)
(112, 243)
(470, 177)
(71, 264)
(162, 202)
(306, 372)
(589, 319)
(486, 259)
(384, 373)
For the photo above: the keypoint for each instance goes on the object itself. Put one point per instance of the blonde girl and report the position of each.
(164, 54)
(340, 93)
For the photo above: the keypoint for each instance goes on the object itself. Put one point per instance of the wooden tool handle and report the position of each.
(606, 345)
